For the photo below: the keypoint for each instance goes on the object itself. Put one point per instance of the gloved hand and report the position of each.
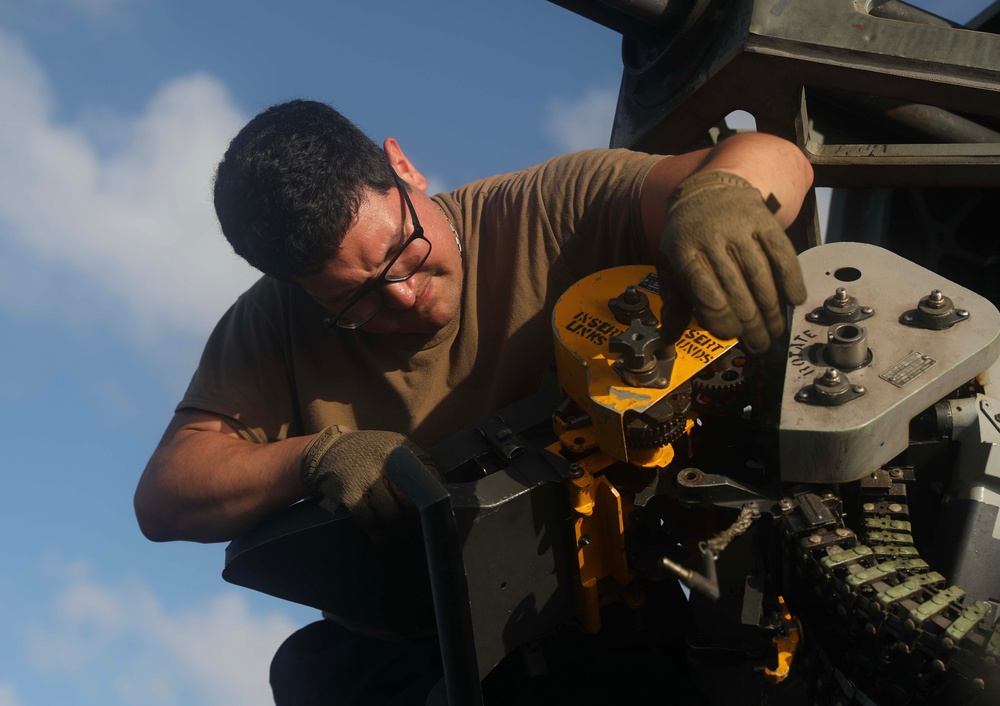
(725, 253)
(349, 469)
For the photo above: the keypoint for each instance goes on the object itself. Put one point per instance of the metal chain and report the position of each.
(720, 541)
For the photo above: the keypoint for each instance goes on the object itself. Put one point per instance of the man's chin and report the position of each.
(404, 323)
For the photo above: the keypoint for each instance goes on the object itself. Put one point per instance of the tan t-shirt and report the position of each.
(526, 237)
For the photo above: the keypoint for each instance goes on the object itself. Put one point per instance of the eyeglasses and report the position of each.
(404, 264)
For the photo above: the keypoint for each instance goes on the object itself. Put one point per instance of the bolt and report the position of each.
(831, 376)
(859, 389)
(812, 316)
(584, 540)
(870, 629)
(575, 470)
(841, 295)
(866, 310)
(785, 504)
(815, 538)
(503, 434)
(947, 643)
(895, 507)
(842, 532)
(802, 395)
(937, 665)
(660, 381)
(997, 417)
(869, 507)
(978, 683)
(962, 312)
(936, 299)
(896, 473)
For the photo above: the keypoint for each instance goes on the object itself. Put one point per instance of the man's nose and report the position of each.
(399, 295)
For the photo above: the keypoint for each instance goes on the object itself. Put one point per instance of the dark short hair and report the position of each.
(290, 184)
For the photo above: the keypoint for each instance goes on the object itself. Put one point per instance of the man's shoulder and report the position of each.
(264, 303)
(584, 169)
(583, 161)
(266, 293)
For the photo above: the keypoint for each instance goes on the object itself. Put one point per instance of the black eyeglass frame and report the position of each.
(383, 278)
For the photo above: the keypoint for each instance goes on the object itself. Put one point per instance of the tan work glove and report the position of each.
(349, 469)
(725, 253)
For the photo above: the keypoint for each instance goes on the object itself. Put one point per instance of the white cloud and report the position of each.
(137, 225)
(582, 123)
(8, 697)
(215, 653)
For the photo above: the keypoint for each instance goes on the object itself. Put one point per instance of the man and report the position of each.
(388, 317)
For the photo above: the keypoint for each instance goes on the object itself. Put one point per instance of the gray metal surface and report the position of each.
(909, 370)
(806, 71)
(973, 508)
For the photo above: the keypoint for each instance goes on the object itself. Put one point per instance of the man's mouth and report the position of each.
(424, 294)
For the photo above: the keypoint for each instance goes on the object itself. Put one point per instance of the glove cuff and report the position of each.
(313, 454)
(711, 179)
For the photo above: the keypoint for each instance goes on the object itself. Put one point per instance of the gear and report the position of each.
(663, 423)
(720, 387)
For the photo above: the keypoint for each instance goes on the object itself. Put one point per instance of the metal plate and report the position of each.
(845, 443)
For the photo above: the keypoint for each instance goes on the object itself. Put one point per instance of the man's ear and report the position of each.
(403, 166)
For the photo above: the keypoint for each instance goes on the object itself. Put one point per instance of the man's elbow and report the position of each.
(154, 523)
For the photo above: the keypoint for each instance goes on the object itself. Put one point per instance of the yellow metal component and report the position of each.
(599, 534)
(786, 644)
(584, 325)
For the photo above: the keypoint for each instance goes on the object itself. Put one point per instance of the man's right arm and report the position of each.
(206, 483)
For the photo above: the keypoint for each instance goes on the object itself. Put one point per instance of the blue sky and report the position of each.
(112, 272)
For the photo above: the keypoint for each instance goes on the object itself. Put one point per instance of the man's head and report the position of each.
(290, 185)
(303, 195)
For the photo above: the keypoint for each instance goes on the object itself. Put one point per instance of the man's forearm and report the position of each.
(773, 165)
(207, 486)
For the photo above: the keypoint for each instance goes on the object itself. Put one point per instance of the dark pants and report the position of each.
(326, 664)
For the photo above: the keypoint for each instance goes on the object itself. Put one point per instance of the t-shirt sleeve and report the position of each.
(242, 374)
(585, 205)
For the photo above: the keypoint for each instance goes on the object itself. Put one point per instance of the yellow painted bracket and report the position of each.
(786, 644)
(583, 326)
(599, 535)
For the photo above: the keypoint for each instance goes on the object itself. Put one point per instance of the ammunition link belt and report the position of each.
(901, 633)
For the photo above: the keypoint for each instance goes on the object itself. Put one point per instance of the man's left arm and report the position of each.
(714, 221)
